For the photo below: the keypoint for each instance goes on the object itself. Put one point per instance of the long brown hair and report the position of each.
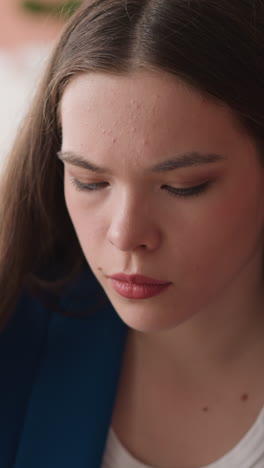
(214, 45)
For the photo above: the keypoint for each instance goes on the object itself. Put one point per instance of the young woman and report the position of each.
(132, 218)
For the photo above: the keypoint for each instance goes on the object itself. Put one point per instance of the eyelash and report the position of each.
(175, 192)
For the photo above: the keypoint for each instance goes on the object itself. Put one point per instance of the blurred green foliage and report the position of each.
(62, 8)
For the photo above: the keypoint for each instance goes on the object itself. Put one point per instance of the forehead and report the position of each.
(142, 113)
(140, 95)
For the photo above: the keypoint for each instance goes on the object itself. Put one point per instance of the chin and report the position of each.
(149, 322)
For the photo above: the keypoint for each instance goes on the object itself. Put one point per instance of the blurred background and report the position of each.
(28, 29)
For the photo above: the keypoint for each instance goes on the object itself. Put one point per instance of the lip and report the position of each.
(137, 291)
(138, 279)
(137, 286)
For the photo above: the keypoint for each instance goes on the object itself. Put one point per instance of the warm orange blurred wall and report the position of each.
(18, 27)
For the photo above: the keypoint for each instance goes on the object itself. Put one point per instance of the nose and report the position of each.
(132, 226)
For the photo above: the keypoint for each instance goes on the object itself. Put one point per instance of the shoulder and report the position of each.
(50, 362)
(81, 302)
(80, 325)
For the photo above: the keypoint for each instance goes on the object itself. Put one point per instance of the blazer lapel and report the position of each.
(71, 402)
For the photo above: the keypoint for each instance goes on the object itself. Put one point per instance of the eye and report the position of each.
(175, 192)
(80, 186)
(187, 192)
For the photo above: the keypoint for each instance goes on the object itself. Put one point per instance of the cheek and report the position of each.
(88, 223)
(73, 207)
(228, 237)
(240, 218)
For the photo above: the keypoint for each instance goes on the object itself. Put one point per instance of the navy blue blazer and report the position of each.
(59, 376)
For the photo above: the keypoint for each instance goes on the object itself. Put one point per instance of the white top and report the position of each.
(248, 453)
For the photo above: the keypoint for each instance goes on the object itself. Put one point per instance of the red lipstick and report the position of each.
(137, 286)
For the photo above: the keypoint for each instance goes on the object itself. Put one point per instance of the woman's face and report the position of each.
(151, 138)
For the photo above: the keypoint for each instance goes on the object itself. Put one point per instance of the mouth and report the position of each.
(137, 279)
(132, 290)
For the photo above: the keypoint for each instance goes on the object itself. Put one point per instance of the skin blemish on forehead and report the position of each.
(205, 409)
(244, 397)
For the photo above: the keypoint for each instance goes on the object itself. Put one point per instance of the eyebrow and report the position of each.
(178, 162)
